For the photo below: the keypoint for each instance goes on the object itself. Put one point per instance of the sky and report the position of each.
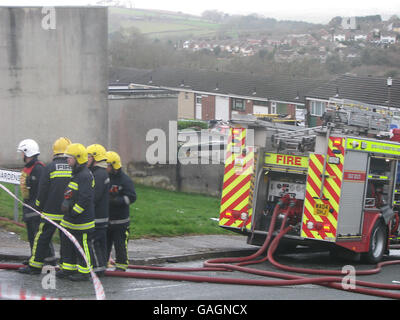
(318, 11)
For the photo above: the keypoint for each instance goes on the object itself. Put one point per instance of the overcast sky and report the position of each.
(308, 10)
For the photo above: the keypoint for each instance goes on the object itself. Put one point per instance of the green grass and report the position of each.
(160, 212)
(7, 211)
(156, 213)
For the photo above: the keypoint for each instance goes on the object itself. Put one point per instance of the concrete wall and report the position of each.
(131, 118)
(192, 178)
(53, 77)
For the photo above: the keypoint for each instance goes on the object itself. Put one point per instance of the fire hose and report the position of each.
(329, 281)
(328, 278)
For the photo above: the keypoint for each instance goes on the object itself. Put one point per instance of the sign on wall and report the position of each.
(9, 176)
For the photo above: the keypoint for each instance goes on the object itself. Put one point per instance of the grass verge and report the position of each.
(156, 213)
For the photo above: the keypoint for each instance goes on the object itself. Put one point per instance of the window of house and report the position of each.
(260, 103)
(317, 108)
(238, 104)
(273, 107)
(198, 99)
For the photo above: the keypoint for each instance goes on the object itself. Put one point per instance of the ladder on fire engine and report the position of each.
(359, 116)
(301, 140)
(341, 116)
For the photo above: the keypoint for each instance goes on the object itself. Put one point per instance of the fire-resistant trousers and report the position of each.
(72, 259)
(118, 236)
(99, 244)
(42, 247)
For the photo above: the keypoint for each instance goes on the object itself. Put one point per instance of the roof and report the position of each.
(371, 90)
(217, 82)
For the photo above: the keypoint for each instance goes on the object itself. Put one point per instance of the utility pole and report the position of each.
(389, 85)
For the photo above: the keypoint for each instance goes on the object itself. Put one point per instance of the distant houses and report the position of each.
(293, 46)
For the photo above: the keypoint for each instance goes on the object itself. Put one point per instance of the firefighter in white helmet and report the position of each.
(29, 186)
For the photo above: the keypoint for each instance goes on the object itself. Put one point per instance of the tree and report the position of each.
(213, 15)
(335, 65)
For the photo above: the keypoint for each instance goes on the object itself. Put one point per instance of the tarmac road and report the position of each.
(160, 290)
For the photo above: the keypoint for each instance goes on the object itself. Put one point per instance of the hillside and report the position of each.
(160, 24)
(177, 25)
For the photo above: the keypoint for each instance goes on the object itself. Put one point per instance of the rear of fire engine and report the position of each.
(335, 184)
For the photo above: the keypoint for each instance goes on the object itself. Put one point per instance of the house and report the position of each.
(369, 90)
(360, 37)
(339, 37)
(387, 38)
(214, 95)
(396, 27)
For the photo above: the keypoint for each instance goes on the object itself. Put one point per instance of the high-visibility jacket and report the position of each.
(101, 195)
(55, 179)
(29, 185)
(79, 199)
(122, 194)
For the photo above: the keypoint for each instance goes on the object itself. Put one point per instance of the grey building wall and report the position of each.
(53, 79)
(130, 119)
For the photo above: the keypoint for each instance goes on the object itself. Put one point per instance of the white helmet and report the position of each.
(29, 147)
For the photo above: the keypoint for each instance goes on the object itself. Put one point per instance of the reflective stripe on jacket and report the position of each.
(55, 179)
(81, 213)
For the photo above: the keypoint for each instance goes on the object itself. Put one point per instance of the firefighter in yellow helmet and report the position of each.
(78, 219)
(122, 194)
(98, 166)
(55, 179)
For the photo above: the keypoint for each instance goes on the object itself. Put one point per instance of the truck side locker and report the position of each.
(238, 183)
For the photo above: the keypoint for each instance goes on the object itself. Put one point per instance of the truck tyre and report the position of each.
(377, 244)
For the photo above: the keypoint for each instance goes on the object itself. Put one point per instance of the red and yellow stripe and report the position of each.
(238, 183)
(320, 226)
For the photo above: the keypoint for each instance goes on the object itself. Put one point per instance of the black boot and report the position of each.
(78, 276)
(63, 274)
(29, 270)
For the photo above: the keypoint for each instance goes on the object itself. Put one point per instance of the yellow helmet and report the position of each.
(78, 151)
(97, 151)
(60, 145)
(114, 159)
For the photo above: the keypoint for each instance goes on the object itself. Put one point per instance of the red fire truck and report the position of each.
(337, 182)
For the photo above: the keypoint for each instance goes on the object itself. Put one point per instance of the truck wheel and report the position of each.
(377, 244)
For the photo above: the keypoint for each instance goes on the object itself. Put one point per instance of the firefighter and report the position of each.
(98, 166)
(29, 186)
(55, 179)
(122, 194)
(78, 219)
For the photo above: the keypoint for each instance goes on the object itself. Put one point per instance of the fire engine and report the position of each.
(337, 183)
